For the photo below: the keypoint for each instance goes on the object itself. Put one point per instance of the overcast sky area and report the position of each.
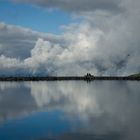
(69, 37)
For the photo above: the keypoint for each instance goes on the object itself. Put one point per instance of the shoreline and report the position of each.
(67, 78)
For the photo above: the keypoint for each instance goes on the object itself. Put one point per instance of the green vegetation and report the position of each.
(135, 75)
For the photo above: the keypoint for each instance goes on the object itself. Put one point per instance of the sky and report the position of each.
(33, 17)
(73, 37)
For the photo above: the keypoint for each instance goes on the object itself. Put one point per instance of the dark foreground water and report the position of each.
(105, 110)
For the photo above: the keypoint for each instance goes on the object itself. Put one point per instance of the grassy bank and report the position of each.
(135, 75)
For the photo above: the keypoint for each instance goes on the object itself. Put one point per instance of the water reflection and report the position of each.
(98, 110)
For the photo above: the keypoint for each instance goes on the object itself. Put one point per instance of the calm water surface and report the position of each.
(108, 110)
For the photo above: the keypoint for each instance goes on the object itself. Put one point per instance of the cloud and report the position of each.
(102, 43)
(16, 41)
(78, 5)
(75, 52)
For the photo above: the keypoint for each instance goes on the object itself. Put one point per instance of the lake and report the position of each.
(70, 110)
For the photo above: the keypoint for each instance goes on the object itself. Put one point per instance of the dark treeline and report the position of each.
(87, 78)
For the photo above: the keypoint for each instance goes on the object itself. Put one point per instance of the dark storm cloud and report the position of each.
(78, 5)
(16, 41)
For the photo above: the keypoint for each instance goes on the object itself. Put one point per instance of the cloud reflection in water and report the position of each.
(106, 109)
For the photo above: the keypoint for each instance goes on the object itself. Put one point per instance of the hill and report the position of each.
(135, 75)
